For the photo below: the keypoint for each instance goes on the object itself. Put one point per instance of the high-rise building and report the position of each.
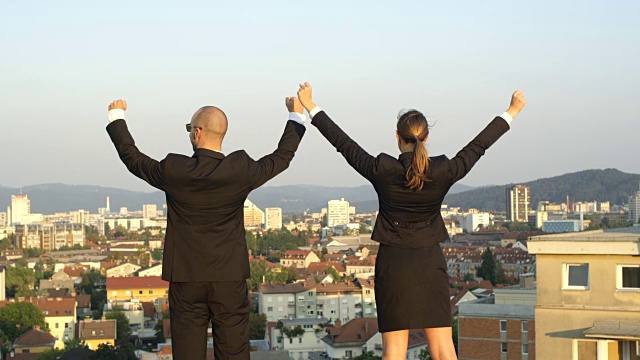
(149, 211)
(337, 212)
(634, 208)
(253, 216)
(474, 222)
(274, 218)
(20, 208)
(518, 203)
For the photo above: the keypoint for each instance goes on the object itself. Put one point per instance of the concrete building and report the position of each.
(634, 208)
(499, 327)
(518, 203)
(20, 209)
(588, 300)
(337, 212)
(473, 222)
(147, 288)
(349, 340)
(300, 259)
(300, 337)
(273, 218)
(253, 216)
(149, 211)
(561, 226)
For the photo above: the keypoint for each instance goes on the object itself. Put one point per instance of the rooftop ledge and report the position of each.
(624, 241)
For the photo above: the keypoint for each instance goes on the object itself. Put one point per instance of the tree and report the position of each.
(50, 354)
(468, 277)
(123, 331)
(156, 254)
(20, 281)
(425, 354)
(487, 269)
(17, 318)
(364, 229)
(109, 352)
(257, 326)
(500, 278)
(367, 356)
(334, 273)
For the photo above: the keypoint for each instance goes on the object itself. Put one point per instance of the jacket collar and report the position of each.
(208, 153)
(406, 158)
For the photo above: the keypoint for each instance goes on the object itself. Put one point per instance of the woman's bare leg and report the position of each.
(394, 345)
(440, 343)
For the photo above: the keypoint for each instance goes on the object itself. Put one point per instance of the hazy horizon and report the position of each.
(458, 63)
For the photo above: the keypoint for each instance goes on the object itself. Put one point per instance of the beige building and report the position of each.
(588, 301)
(337, 212)
(274, 218)
(253, 216)
(518, 203)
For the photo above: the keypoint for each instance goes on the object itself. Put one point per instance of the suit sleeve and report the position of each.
(273, 164)
(464, 160)
(139, 164)
(356, 156)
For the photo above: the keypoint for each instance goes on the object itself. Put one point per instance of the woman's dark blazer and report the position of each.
(409, 218)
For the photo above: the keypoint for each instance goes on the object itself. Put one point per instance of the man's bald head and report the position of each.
(208, 127)
(212, 120)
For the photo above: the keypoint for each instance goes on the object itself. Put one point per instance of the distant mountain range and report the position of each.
(602, 185)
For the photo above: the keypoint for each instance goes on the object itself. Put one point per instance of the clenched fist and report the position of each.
(118, 104)
(305, 96)
(293, 105)
(517, 103)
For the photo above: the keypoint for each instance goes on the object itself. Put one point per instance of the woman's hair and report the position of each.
(413, 128)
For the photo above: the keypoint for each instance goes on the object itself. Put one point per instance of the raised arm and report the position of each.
(356, 156)
(273, 164)
(464, 160)
(138, 163)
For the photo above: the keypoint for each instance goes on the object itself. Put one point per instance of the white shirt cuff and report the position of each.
(314, 111)
(507, 118)
(297, 117)
(116, 114)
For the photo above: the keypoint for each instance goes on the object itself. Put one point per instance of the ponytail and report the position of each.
(417, 172)
(414, 128)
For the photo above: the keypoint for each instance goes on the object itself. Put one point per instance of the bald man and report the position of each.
(205, 256)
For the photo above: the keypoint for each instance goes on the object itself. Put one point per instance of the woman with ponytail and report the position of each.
(411, 281)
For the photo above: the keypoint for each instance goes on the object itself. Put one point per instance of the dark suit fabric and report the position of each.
(411, 281)
(205, 239)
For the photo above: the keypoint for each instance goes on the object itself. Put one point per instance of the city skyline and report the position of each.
(577, 71)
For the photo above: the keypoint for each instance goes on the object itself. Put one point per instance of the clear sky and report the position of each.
(577, 63)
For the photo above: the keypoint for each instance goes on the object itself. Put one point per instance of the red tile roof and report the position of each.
(34, 337)
(356, 330)
(50, 306)
(295, 254)
(84, 301)
(145, 282)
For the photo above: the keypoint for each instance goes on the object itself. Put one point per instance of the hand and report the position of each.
(118, 104)
(517, 103)
(293, 104)
(305, 94)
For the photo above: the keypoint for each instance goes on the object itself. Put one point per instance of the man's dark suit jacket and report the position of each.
(409, 218)
(205, 193)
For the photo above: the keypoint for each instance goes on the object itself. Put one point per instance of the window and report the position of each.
(129, 292)
(57, 325)
(503, 325)
(66, 325)
(348, 354)
(333, 312)
(101, 332)
(150, 292)
(114, 293)
(525, 326)
(503, 347)
(269, 299)
(279, 308)
(301, 298)
(140, 292)
(628, 277)
(299, 340)
(290, 340)
(525, 349)
(576, 277)
(367, 292)
(270, 308)
(279, 298)
(310, 293)
(310, 312)
(93, 332)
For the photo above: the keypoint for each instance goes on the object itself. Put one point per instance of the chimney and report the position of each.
(338, 324)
